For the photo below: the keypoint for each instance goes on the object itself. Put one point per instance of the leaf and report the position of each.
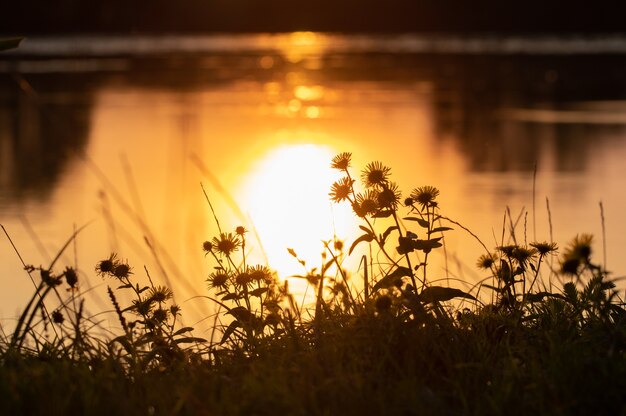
(123, 341)
(405, 245)
(391, 278)
(364, 237)
(420, 221)
(259, 291)
(364, 228)
(183, 330)
(240, 313)
(440, 229)
(126, 286)
(292, 252)
(387, 232)
(230, 296)
(189, 340)
(6, 44)
(441, 294)
(538, 297)
(327, 265)
(426, 245)
(497, 289)
(385, 213)
(229, 331)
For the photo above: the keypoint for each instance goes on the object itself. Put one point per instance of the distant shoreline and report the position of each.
(321, 43)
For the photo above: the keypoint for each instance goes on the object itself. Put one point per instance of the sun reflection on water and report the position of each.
(286, 195)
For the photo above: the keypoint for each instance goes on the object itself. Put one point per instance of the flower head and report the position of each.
(218, 279)
(576, 253)
(366, 203)
(486, 261)
(122, 270)
(207, 246)
(341, 189)
(107, 266)
(260, 273)
(580, 247)
(160, 315)
(57, 317)
(389, 196)
(375, 173)
(243, 279)
(544, 248)
(160, 293)
(226, 243)
(341, 161)
(71, 277)
(425, 195)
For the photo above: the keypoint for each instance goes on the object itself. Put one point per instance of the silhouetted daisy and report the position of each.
(544, 248)
(107, 266)
(425, 195)
(366, 203)
(340, 190)
(160, 293)
(160, 315)
(226, 243)
(243, 279)
(486, 261)
(375, 173)
(389, 196)
(218, 280)
(260, 273)
(341, 161)
(576, 253)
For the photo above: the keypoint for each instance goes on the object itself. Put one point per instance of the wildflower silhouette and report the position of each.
(397, 285)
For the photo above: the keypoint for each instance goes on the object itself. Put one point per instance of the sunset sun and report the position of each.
(286, 194)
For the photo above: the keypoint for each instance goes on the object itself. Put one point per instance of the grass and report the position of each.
(382, 339)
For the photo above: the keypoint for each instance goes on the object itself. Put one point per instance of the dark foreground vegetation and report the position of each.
(544, 333)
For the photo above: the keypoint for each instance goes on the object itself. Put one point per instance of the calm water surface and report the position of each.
(120, 133)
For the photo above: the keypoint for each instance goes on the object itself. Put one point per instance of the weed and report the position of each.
(391, 342)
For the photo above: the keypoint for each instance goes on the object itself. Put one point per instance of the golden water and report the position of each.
(258, 130)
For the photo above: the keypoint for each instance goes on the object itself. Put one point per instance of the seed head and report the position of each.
(122, 270)
(107, 266)
(57, 317)
(71, 277)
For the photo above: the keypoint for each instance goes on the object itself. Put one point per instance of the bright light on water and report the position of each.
(286, 195)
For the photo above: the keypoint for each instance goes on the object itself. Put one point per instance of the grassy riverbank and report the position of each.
(545, 332)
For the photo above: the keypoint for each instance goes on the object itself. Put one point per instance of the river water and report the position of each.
(120, 133)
